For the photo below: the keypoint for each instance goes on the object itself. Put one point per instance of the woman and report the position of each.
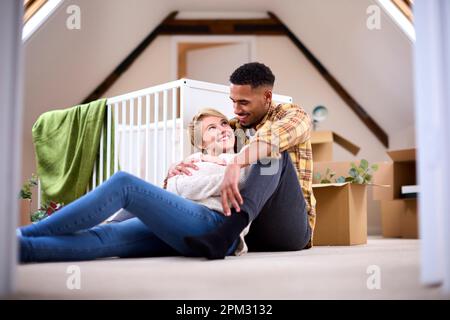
(163, 218)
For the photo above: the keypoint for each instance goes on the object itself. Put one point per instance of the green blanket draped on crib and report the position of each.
(66, 146)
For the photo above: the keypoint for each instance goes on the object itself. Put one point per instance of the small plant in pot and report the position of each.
(46, 209)
(362, 174)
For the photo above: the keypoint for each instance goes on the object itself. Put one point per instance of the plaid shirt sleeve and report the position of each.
(290, 126)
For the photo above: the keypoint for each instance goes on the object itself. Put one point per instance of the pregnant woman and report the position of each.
(186, 219)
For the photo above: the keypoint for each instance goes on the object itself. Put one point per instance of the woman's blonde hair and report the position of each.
(195, 127)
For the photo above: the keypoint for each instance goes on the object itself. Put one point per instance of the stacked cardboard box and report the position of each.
(398, 209)
(341, 209)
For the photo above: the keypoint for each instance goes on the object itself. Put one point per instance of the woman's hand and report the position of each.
(182, 168)
(213, 159)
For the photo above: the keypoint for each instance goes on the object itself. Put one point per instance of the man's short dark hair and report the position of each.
(254, 74)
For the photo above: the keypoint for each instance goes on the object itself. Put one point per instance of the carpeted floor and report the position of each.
(318, 273)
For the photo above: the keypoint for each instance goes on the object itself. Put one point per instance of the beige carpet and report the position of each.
(319, 273)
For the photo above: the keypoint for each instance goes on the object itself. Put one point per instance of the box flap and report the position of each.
(318, 137)
(321, 137)
(323, 185)
(403, 155)
(347, 145)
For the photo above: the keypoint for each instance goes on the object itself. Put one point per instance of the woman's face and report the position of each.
(217, 135)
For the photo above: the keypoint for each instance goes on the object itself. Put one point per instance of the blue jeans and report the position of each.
(162, 221)
(274, 201)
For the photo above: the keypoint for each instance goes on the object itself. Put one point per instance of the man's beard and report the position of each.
(248, 126)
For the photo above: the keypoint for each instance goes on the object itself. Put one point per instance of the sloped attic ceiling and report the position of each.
(374, 66)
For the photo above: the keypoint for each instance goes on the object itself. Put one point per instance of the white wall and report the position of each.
(375, 66)
(214, 64)
(153, 67)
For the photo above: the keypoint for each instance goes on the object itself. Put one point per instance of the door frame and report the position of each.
(249, 40)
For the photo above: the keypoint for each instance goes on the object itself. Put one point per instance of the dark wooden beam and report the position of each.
(126, 63)
(222, 27)
(405, 6)
(30, 7)
(340, 90)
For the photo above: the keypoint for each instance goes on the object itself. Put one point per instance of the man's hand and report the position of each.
(229, 190)
(182, 168)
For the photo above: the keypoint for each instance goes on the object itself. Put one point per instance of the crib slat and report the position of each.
(139, 128)
(164, 164)
(116, 136)
(130, 145)
(143, 92)
(124, 132)
(100, 174)
(181, 154)
(174, 122)
(94, 175)
(108, 142)
(155, 141)
(147, 137)
(39, 194)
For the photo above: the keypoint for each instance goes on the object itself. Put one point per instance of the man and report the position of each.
(283, 128)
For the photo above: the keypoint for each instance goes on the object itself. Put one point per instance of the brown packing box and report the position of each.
(322, 145)
(401, 171)
(341, 214)
(399, 218)
(349, 225)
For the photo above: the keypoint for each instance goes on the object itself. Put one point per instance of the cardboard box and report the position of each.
(400, 172)
(399, 218)
(341, 214)
(25, 209)
(322, 145)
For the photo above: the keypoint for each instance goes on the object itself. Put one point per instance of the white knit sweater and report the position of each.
(203, 187)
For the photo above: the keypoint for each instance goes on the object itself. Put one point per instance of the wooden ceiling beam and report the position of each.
(222, 27)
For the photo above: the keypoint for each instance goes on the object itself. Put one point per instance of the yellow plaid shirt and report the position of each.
(288, 127)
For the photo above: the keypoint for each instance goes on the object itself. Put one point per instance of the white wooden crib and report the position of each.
(150, 128)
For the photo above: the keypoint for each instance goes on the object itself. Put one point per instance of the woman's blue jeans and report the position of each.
(162, 221)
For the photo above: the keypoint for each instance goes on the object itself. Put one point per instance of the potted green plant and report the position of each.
(361, 174)
(46, 209)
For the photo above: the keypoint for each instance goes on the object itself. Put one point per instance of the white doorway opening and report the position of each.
(210, 58)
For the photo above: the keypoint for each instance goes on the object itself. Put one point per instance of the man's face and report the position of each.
(250, 104)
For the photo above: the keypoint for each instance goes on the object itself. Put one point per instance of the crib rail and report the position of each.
(145, 130)
(144, 123)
